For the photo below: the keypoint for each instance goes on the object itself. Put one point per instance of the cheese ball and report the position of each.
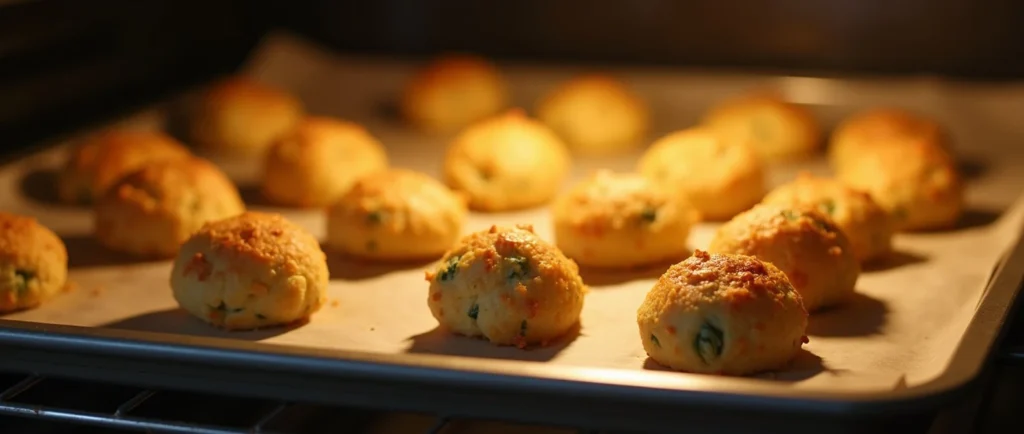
(722, 314)
(396, 215)
(507, 285)
(506, 162)
(595, 114)
(917, 182)
(250, 271)
(612, 220)
(864, 222)
(720, 178)
(879, 127)
(151, 211)
(776, 129)
(242, 116)
(100, 160)
(452, 92)
(804, 243)
(313, 164)
(33, 263)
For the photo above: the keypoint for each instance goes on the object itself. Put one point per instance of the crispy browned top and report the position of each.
(166, 182)
(264, 237)
(727, 271)
(20, 235)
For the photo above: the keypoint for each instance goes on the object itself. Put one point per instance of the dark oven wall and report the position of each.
(65, 63)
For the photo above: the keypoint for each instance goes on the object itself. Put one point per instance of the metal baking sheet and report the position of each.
(920, 325)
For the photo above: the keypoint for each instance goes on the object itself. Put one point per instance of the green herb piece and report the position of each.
(520, 267)
(375, 218)
(822, 224)
(522, 328)
(649, 215)
(22, 278)
(655, 341)
(261, 316)
(474, 310)
(791, 215)
(447, 271)
(220, 307)
(828, 206)
(237, 310)
(708, 343)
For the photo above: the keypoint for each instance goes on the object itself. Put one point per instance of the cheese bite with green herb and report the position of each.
(865, 224)
(33, 263)
(396, 214)
(802, 242)
(250, 271)
(508, 286)
(595, 115)
(776, 129)
(612, 220)
(722, 314)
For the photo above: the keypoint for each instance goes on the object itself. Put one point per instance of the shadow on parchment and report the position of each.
(804, 366)
(597, 277)
(252, 195)
(177, 321)
(346, 267)
(861, 315)
(40, 185)
(973, 167)
(895, 259)
(85, 252)
(444, 342)
(976, 218)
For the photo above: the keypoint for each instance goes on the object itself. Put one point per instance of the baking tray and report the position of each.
(920, 330)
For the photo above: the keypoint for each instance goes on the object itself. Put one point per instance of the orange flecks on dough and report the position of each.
(671, 330)
(435, 296)
(520, 288)
(493, 229)
(199, 266)
(490, 260)
(835, 251)
(440, 311)
(804, 339)
(520, 342)
(430, 275)
(532, 306)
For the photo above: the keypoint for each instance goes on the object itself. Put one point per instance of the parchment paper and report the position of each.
(900, 330)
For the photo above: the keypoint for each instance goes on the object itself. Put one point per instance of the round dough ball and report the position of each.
(864, 222)
(880, 127)
(595, 114)
(776, 129)
(917, 182)
(507, 285)
(507, 162)
(33, 263)
(453, 92)
(152, 210)
(720, 178)
(396, 215)
(313, 164)
(621, 220)
(242, 116)
(250, 271)
(804, 243)
(99, 161)
(722, 314)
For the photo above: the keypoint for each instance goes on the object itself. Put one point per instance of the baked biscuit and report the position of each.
(865, 224)
(33, 263)
(507, 285)
(776, 129)
(242, 116)
(313, 164)
(506, 162)
(879, 127)
(722, 314)
(802, 242)
(100, 160)
(718, 177)
(595, 114)
(250, 271)
(452, 92)
(621, 220)
(152, 210)
(396, 215)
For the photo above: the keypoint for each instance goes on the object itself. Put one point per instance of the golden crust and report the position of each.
(33, 263)
(263, 238)
(452, 92)
(242, 115)
(775, 129)
(862, 132)
(595, 114)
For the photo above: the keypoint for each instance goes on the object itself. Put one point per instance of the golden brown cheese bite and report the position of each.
(802, 242)
(242, 116)
(595, 114)
(315, 162)
(776, 129)
(862, 132)
(33, 263)
(507, 285)
(396, 214)
(102, 159)
(621, 220)
(720, 178)
(452, 92)
(722, 314)
(507, 162)
(250, 271)
(152, 210)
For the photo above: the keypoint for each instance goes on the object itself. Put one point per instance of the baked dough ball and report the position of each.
(507, 162)
(102, 159)
(33, 263)
(621, 220)
(453, 92)
(865, 224)
(316, 162)
(242, 116)
(880, 127)
(396, 215)
(595, 114)
(722, 314)
(507, 285)
(776, 129)
(250, 271)
(151, 211)
(917, 182)
(804, 243)
(720, 178)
